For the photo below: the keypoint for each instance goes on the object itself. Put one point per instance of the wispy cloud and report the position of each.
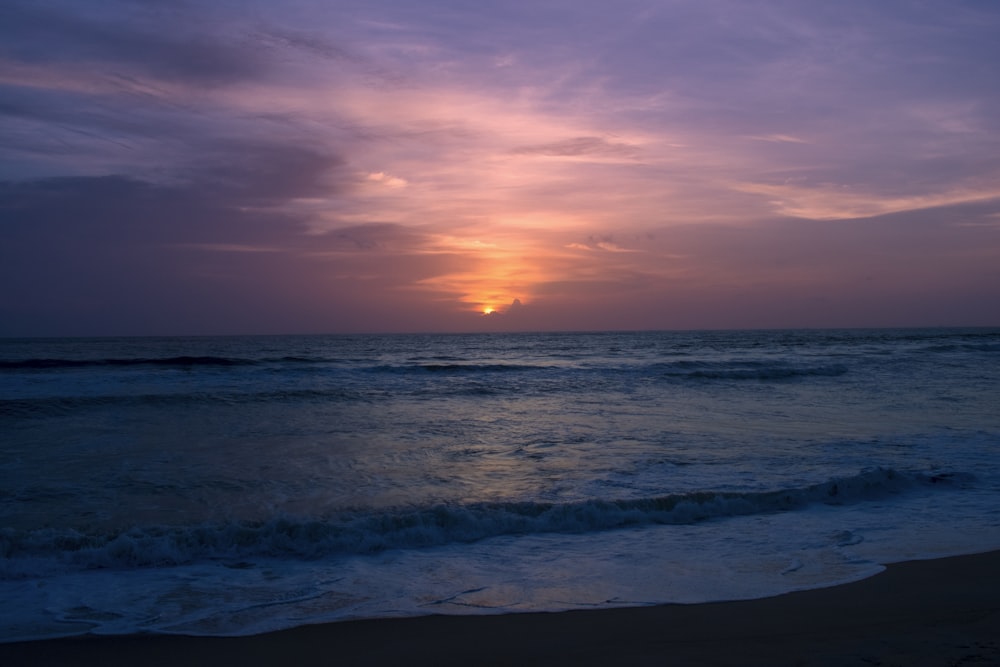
(580, 147)
(780, 139)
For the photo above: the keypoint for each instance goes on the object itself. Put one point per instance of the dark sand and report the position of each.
(922, 613)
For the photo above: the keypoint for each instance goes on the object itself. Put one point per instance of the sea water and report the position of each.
(236, 485)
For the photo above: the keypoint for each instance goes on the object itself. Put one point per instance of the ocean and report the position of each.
(238, 485)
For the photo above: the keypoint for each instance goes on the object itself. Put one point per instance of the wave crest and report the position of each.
(29, 553)
(748, 370)
(182, 361)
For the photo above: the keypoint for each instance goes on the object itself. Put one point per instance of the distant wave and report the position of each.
(34, 552)
(31, 408)
(682, 369)
(747, 370)
(44, 364)
(460, 368)
(191, 361)
(963, 347)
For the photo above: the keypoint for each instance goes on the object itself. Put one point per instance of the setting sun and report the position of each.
(488, 310)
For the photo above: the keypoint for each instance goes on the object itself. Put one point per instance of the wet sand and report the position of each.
(920, 613)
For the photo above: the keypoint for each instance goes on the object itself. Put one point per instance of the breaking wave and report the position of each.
(34, 552)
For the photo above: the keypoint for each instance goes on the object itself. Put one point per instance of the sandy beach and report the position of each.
(930, 613)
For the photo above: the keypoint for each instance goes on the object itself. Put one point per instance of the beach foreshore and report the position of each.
(919, 613)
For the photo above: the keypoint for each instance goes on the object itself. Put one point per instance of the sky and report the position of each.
(178, 167)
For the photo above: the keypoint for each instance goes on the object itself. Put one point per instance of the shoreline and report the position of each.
(929, 612)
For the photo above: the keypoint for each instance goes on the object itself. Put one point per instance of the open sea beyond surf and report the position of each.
(235, 485)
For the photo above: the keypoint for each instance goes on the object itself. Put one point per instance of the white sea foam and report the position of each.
(33, 552)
